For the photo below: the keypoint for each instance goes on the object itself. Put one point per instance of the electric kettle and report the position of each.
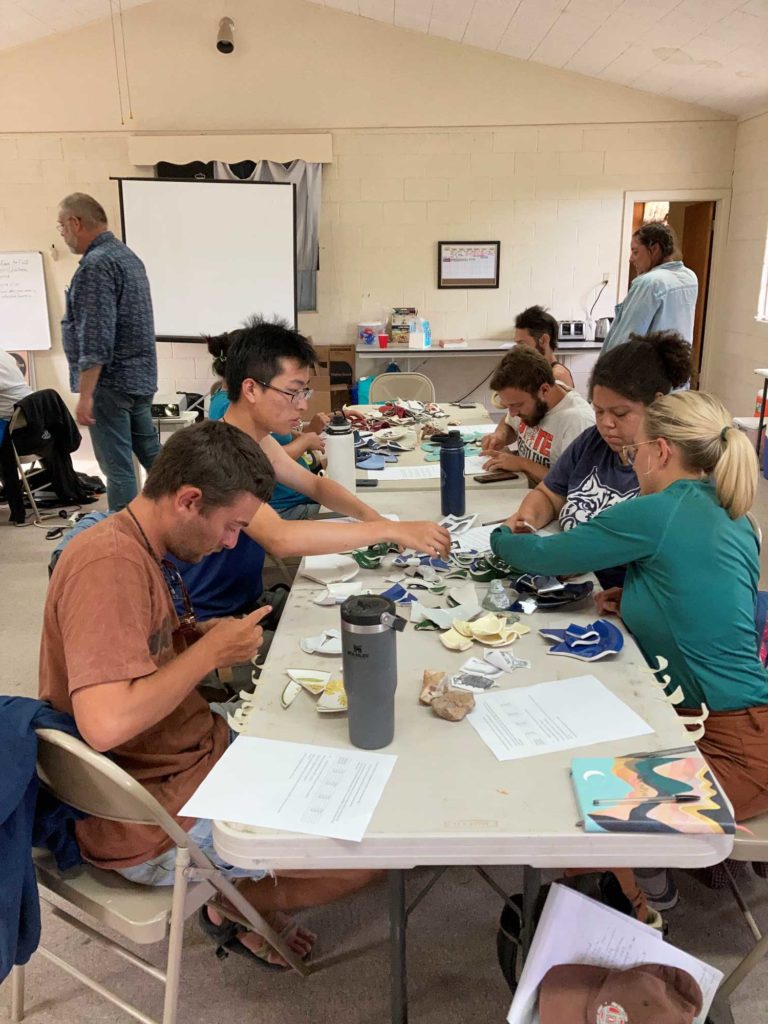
(602, 326)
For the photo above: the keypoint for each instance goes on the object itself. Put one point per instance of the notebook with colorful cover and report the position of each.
(645, 779)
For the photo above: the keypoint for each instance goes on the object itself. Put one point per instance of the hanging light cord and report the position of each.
(125, 62)
(117, 63)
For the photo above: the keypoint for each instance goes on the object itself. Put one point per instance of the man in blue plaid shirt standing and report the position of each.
(108, 335)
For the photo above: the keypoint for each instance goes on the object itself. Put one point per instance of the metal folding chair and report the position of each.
(18, 420)
(94, 784)
(753, 848)
(407, 386)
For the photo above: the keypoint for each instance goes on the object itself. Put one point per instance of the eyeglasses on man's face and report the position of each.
(629, 451)
(296, 397)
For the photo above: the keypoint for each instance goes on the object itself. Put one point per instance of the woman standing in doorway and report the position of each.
(663, 295)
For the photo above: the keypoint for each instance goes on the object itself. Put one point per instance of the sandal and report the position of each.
(227, 938)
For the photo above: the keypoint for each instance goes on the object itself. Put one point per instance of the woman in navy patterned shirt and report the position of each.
(591, 474)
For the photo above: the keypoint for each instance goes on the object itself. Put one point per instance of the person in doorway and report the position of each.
(536, 328)
(542, 415)
(593, 473)
(693, 566)
(663, 295)
(116, 656)
(267, 372)
(108, 335)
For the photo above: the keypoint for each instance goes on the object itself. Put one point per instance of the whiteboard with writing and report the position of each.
(23, 305)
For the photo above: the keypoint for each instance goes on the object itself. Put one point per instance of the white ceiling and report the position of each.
(21, 21)
(712, 52)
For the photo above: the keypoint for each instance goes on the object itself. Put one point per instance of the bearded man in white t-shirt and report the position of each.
(542, 416)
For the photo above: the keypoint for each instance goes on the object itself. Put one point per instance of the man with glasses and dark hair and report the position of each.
(115, 655)
(267, 368)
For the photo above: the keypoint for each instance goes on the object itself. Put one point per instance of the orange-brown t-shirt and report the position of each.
(109, 617)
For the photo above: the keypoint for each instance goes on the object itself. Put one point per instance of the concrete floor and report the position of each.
(452, 962)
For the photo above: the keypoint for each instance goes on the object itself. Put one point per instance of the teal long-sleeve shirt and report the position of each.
(690, 591)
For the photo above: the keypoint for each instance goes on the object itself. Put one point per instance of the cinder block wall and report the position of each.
(553, 195)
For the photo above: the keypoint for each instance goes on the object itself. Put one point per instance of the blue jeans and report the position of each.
(123, 426)
(161, 870)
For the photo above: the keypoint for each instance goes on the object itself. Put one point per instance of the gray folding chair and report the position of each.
(92, 783)
(407, 386)
(26, 463)
(752, 848)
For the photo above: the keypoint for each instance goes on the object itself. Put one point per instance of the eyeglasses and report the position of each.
(629, 451)
(302, 395)
(180, 595)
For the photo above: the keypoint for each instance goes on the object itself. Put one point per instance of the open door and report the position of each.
(699, 220)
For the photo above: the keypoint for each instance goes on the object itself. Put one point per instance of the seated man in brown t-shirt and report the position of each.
(116, 656)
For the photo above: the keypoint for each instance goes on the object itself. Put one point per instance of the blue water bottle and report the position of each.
(452, 496)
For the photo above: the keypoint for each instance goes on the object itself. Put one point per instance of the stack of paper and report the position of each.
(604, 937)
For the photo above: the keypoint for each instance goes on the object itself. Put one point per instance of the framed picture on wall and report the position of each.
(468, 264)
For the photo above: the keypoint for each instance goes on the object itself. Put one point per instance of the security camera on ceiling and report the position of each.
(225, 42)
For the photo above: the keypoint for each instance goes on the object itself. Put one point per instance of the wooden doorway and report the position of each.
(693, 223)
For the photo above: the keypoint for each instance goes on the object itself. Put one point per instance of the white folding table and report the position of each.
(457, 417)
(449, 801)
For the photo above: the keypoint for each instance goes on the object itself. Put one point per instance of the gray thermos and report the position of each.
(368, 625)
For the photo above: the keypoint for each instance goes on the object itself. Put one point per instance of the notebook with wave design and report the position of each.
(643, 780)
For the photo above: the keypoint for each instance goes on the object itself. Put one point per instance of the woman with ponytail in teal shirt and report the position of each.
(692, 576)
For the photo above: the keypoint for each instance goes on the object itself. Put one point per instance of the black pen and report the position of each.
(678, 798)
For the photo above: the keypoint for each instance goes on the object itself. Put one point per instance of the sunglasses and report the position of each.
(187, 627)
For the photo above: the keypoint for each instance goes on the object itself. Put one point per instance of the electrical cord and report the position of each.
(474, 389)
(597, 299)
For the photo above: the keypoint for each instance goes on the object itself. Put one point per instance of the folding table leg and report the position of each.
(531, 886)
(397, 948)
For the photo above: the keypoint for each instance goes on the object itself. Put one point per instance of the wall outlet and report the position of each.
(606, 277)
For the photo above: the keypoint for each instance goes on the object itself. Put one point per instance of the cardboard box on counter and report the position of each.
(326, 397)
(338, 362)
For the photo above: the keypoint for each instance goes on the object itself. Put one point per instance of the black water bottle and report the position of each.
(452, 497)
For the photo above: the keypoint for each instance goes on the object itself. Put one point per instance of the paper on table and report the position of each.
(293, 787)
(431, 471)
(476, 539)
(604, 937)
(473, 464)
(475, 428)
(392, 516)
(560, 715)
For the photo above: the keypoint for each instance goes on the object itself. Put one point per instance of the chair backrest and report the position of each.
(18, 420)
(92, 783)
(408, 386)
